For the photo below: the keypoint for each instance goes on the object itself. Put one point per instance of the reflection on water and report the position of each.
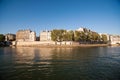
(91, 63)
(32, 55)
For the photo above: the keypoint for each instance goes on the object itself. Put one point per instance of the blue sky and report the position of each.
(102, 16)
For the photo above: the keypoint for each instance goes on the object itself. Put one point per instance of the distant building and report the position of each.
(45, 36)
(25, 35)
(107, 35)
(83, 30)
(80, 29)
(10, 37)
(114, 39)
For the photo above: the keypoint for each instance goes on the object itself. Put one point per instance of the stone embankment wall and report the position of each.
(45, 44)
(39, 43)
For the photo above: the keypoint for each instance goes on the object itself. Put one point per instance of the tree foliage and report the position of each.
(2, 37)
(85, 36)
(95, 36)
(62, 35)
(77, 36)
(104, 38)
(68, 36)
(57, 35)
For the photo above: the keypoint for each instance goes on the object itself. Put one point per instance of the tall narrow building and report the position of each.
(45, 36)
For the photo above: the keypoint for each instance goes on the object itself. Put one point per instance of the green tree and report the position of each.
(104, 38)
(68, 36)
(54, 35)
(60, 35)
(77, 36)
(95, 36)
(65, 36)
(89, 36)
(80, 36)
(2, 37)
(57, 35)
(71, 35)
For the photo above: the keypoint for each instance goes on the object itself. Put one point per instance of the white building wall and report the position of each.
(49, 35)
(32, 36)
(45, 36)
(114, 39)
(80, 29)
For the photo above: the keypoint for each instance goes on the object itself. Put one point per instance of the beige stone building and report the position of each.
(25, 35)
(45, 36)
(114, 39)
(10, 37)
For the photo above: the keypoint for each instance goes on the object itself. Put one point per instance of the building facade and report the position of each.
(80, 29)
(25, 35)
(10, 37)
(83, 29)
(114, 39)
(45, 36)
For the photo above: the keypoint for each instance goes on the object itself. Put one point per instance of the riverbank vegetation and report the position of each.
(3, 42)
(83, 37)
(2, 37)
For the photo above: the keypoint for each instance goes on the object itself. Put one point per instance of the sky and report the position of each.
(102, 16)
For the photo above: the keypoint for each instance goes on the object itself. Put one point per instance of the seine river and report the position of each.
(87, 63)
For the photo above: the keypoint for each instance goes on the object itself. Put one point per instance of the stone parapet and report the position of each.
(39, 43)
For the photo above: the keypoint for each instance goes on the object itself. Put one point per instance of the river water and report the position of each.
(87, 63)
